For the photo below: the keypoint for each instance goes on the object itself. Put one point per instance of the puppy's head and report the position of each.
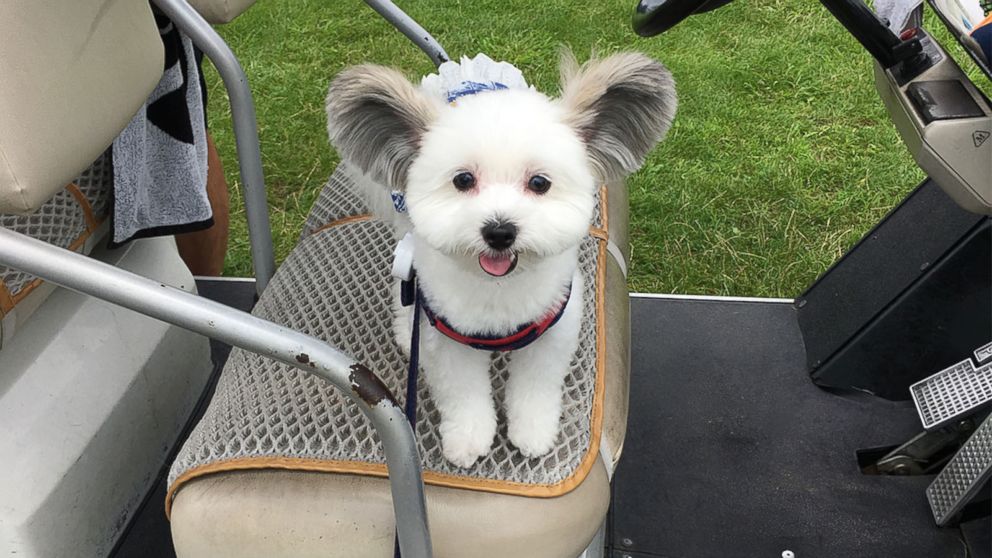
(504, 176)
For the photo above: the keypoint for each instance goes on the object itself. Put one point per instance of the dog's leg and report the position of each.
(537, 373)
(458, 379)
(402, 321)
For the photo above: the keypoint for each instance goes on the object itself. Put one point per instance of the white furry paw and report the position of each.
(536, 436)
(401, 332)
(463, 443)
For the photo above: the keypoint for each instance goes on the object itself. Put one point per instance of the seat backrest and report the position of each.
(73, 75)
(220, 11)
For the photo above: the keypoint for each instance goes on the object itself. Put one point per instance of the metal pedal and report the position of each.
(955, 391)
(963, 476)
(983, 353)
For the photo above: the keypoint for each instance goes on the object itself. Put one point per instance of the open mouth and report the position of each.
(498, 264)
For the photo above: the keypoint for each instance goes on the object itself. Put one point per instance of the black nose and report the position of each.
(499, 235)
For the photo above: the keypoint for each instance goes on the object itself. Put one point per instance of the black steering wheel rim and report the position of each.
(652, 17)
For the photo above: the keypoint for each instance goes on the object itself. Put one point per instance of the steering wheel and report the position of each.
(652, 17)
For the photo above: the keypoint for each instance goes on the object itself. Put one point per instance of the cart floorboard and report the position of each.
(731, 450)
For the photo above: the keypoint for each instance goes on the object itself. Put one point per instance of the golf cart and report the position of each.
(849, 421)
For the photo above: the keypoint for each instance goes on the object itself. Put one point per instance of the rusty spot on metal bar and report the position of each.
(304, 358)
(368, 386)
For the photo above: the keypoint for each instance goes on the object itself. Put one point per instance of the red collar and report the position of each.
(523, 336)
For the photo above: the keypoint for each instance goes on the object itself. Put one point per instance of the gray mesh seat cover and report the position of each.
(336, 286)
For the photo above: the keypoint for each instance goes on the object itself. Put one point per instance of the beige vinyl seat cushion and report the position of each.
(73, 74)
(276, 444)
(275, 514)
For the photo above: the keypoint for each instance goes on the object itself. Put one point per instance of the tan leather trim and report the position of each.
(604, 206)
(604, 213)
(78, 243)
(91, 222)
(23, 293)
(343, 221)
(6, 301)
(442, 479)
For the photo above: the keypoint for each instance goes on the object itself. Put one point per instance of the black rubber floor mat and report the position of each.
(732, 451)
(978, 534)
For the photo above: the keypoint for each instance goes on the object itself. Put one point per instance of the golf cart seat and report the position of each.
(65, 111)
(76, 218)
(283, 465)
(70, 104)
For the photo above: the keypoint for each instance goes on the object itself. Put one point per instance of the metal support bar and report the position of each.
(409, 27)
(91, 277)
(245, 131)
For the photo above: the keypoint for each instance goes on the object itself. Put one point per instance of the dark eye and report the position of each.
(538, 184)
(464, 181)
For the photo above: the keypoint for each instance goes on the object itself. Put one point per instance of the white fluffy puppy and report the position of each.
(500, 188)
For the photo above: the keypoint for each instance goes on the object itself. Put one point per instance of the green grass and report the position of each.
(781, 156)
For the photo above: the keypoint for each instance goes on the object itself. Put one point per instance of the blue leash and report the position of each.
(409, 294)
(414, 369)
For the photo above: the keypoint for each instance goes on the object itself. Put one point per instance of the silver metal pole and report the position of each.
(245, 131)
(234, 327)
(413, 31)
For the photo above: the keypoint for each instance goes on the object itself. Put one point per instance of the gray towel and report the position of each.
(160, 159)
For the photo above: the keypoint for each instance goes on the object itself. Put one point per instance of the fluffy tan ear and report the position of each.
(621, 106)
(375, 119)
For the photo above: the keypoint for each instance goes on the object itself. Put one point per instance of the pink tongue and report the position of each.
(496, 265)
